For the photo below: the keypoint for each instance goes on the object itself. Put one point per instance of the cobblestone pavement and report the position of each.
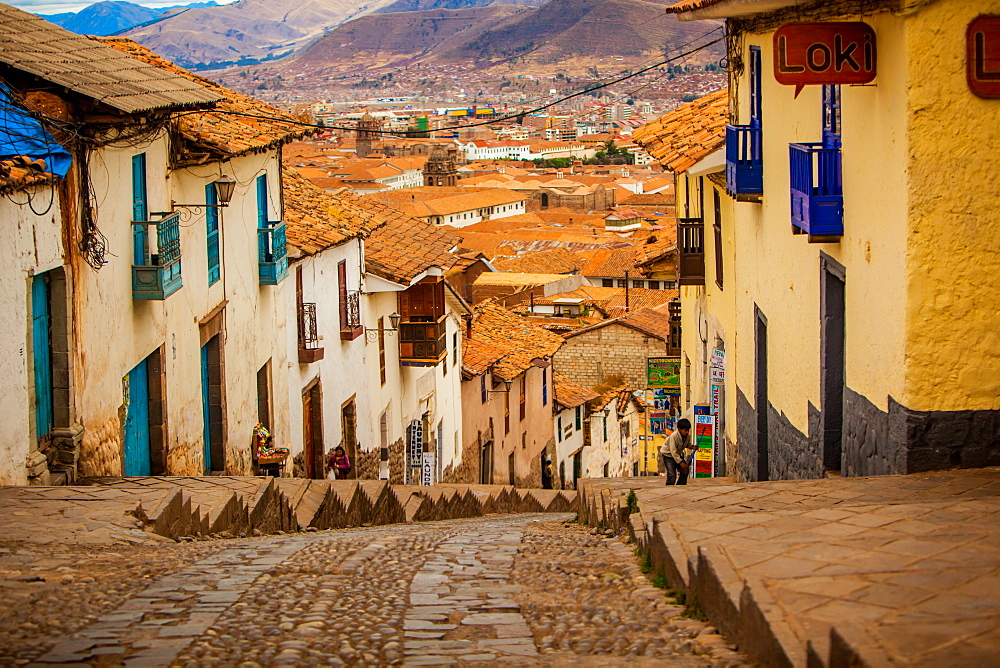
(516, 589)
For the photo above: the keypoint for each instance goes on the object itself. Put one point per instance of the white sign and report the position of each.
(718, 375)
(718, 358)
(416, 441)
(427, 472)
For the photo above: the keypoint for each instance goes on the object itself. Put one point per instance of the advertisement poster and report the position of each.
(704, 440)
(664, 372)
(657, 422)
(716, 412)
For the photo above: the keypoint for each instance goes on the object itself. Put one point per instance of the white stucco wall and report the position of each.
(33, 244)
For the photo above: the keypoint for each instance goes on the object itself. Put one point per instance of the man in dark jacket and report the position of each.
(676, 452)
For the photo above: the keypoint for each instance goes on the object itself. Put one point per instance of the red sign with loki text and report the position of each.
(824, 53)
(982, 69)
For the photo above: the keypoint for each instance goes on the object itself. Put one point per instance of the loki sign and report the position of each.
(824, 53)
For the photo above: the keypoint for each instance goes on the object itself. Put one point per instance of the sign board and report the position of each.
(982, 60)
(718, 360)
(427, 470)
(717, 376)
(824, 53)
(716, 412)
(657, 421)
(704, 440)
(664, 372)
(416, 444)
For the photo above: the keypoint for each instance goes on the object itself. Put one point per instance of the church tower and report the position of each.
(369, 130)
(440, 169)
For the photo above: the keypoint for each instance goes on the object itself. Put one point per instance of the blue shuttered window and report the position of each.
(755, 86)
(831, 116)
(140, 209)
(212, 223)
(545, 387)
(262, 200)
(41, 330)
(815, 173)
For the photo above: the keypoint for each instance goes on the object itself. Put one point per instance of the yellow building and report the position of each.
(858, 243)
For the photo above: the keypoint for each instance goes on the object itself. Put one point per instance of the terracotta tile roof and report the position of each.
(506, 342)
(405, 247)
(612, 263)
(313, 219)
(518, 280)
(31, 44)
(661, 246)
(569, 394)
(430, 204)
(638, 300)
(649, 199)
(553, 261)
(22, 172)
(648, 321)
(221, 135)
(687, 134)
(620, 394)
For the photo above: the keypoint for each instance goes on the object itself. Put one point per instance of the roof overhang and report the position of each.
(733, 8)
(713, 162)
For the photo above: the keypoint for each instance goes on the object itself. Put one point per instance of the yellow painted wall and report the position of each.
(780, 272)
(953, 317)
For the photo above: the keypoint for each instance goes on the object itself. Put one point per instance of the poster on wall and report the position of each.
(416, 442)
(664, 372)
(657, 422)
(704, 440)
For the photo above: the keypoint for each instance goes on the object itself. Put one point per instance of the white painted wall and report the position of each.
(33, 244)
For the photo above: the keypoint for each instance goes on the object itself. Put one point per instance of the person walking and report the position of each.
(676, 452)
(339, 464)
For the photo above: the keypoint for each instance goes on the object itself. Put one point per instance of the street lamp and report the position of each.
(224, 187)
(372, 334)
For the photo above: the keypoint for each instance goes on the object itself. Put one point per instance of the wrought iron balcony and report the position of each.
(817, 190)
(271, 252)
(156, 272)
(350, 316)
(744, 161)
(423, 341)
(690, 251)
(309, 348)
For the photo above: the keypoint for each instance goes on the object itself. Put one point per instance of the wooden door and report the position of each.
(137, 456)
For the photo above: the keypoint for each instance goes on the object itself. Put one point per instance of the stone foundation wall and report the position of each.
(790, 453)
(397, 462)
(365, 465)
(187, 459)
(467, 470)
(101, 450)
(746, 439)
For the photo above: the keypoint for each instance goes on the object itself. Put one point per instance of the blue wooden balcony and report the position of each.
(272, 253)
(156, 273)
(744, 161)
(817, 189)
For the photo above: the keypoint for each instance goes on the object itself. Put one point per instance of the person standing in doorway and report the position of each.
(676, 452)
(339, 464)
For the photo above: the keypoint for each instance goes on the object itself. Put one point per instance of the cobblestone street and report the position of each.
(522, 589)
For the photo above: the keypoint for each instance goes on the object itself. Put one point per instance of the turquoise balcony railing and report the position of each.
(272, 253)
(156, 272)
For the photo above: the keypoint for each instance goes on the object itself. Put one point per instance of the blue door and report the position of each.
(137, 458)
(206, 410)
(40, 330)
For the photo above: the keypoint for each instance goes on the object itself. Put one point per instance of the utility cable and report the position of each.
(516, 116)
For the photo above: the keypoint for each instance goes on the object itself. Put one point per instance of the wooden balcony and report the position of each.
(272, 257)
(423, 341)
(157, 271)
(744, 162)
(817, 191)
(690, 251)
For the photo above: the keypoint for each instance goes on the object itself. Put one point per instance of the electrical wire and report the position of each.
(518, 115)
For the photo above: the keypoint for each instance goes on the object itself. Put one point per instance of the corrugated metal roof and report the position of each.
(35, 46)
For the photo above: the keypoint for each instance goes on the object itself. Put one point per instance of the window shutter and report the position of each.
(262, 200)
(755, 85)
(212, 232)
(140, 209)
(342, 285)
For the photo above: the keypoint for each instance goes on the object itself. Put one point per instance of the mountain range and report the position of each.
(574, 34)
(113, 16)
(255, 30)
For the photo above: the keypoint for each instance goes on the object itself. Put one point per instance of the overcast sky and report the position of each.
(57, 7)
